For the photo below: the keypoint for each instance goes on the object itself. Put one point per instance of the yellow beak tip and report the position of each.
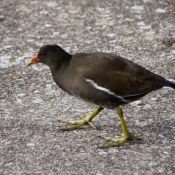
(31, 62)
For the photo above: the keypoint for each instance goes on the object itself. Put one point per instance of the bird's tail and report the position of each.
(170, 84)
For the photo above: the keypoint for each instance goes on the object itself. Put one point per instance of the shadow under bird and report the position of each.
(104, 79)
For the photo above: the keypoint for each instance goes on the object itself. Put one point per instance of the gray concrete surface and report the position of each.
(31, 141)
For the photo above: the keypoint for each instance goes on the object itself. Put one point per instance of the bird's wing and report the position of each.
(123, 78)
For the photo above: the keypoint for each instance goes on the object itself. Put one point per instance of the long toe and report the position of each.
(77, 123)
(85, 120)
(120, 141)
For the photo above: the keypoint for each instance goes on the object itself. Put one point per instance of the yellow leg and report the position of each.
(127, 135)
(85, 120)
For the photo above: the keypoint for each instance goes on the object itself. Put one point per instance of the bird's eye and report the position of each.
(44, 53)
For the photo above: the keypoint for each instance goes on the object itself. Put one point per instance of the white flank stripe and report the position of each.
(95, 85)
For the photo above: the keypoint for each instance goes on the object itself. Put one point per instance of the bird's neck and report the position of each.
(66, 58)
(61, 63)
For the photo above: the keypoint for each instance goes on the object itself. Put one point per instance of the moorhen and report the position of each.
(104, 79)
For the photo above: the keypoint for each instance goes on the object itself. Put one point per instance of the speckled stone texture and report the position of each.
(31, 140)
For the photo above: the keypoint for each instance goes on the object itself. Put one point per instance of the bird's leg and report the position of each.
(127, 135)
(85, 120)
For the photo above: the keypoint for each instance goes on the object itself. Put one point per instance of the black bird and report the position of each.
(104, 79)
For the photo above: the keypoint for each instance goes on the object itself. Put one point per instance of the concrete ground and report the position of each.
(31, 140)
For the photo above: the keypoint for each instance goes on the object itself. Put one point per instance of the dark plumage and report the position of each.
(105, 79)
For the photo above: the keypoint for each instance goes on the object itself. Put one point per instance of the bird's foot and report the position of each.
(77, 123)
(117, 142)
(84, 121)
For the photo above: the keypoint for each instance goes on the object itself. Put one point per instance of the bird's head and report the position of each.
(51, 55)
